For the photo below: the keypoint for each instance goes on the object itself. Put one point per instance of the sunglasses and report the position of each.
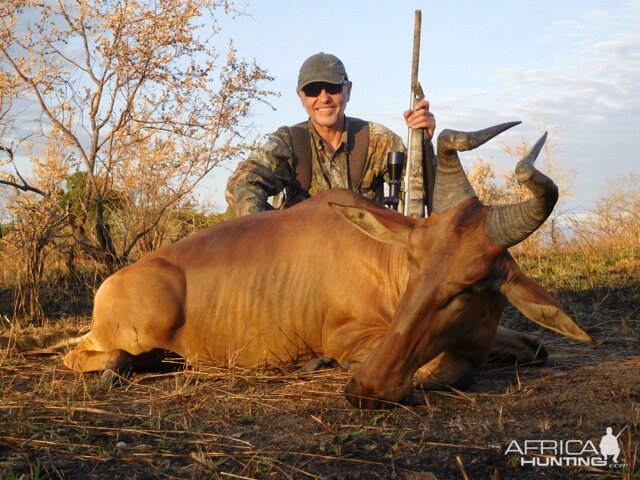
(314, 89)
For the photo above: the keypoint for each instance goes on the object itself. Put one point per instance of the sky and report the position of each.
(569, 67)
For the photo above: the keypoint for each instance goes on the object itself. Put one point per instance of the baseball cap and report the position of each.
(321, 67)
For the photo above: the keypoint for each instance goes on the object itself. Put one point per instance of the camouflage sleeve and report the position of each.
(266, 172)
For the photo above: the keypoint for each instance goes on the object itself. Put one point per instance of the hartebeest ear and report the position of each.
(537, 305)
(380, 224)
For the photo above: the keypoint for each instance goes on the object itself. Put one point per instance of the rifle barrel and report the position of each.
(415, 60)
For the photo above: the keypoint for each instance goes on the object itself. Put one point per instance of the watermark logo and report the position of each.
(569, 453)
(609, 445)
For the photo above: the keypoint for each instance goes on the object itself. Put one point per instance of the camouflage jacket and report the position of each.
(269, 172)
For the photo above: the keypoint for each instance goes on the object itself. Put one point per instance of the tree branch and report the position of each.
(10, 180)
(45, 108)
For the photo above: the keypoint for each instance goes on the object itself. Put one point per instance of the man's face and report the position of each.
(325, 103)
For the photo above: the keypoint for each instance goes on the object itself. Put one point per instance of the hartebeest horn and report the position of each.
(452, 186)
(509, 225)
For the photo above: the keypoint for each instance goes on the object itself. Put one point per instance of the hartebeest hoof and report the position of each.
(316, 364)
(446, 371)
(515, 348)
(109, 379)
(118, 366)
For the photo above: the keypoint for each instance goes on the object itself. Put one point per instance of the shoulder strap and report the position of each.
(358, 149)
(301, 143)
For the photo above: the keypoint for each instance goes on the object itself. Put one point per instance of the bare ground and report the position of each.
(229, 423)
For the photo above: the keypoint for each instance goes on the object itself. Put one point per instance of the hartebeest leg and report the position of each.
(512, 347)
(88, 360)
(446, 370)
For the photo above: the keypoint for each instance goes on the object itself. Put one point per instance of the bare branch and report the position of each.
(10, 181)
(34, 88)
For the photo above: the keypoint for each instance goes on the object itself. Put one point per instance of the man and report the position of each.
(330, 150)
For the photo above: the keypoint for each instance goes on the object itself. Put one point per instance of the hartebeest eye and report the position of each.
(459, 294)
(468, 290)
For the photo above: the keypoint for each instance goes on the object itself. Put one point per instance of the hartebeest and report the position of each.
(408, 301)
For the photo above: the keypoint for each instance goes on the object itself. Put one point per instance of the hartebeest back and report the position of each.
(410, 301)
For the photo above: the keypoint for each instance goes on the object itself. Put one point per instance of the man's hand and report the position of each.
(421, 118)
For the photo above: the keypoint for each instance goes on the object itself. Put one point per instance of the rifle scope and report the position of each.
(395, 163)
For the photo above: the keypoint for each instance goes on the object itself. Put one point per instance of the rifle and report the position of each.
(414, 143)
(416, 151)
(625, 427)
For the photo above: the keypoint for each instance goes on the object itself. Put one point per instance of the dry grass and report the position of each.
(229, 423)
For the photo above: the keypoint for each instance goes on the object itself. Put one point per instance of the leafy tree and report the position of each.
(37, 221)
